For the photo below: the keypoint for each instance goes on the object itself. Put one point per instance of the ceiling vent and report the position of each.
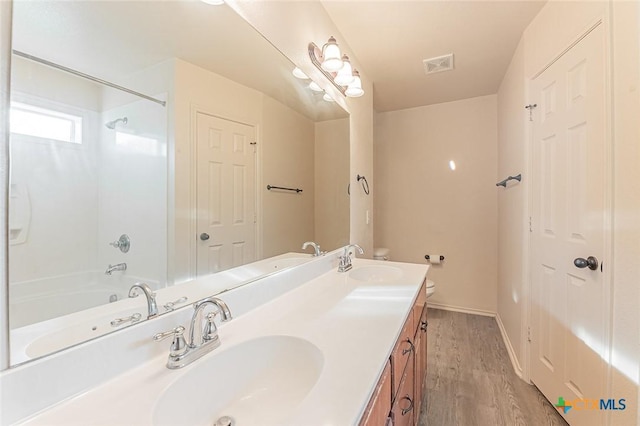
(439, 64)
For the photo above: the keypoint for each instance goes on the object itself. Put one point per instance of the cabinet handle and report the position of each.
(411, 347)
(410, 407)
(424, 325)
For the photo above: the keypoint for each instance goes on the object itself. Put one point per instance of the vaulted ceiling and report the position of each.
(391, 38)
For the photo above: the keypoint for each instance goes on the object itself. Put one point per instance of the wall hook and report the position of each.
(365, 184)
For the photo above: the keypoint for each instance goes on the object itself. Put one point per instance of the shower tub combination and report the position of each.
(55, 313)
(50, 314)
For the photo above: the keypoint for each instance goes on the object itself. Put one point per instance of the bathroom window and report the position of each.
(43, 123)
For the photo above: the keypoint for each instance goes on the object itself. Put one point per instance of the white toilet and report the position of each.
(431, 288)
(381, 253)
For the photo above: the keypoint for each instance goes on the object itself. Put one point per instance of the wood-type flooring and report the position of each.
(470, 378)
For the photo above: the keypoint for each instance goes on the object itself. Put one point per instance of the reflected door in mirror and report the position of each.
(226, 194)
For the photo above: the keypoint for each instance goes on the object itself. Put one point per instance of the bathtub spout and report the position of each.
(116, 267)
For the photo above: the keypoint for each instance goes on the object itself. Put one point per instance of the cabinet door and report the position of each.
(420, 361)
(404, 404)
(400, 355)
(420, 304)
(379, 407)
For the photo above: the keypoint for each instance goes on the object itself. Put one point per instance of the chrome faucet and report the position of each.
(345, 259)
(116, 267)
(152, 307)
(316, 248)
(182, 353)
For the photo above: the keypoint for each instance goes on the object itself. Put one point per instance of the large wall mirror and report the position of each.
(109, 188)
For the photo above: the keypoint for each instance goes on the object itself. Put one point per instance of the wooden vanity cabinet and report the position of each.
(379, 407)
(420, 340)
(403, 410)
(399, 392)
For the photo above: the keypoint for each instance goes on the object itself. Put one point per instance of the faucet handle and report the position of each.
(210, 331)
(179, 344)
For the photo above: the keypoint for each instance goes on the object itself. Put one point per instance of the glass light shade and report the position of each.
(355, 88)
(297, 73)
(314, 86)
(213, 2)
(345, 75)
(331, 57)
(327, 98)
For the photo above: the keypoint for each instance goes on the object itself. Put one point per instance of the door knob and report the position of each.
(590, 261)
(204, 236)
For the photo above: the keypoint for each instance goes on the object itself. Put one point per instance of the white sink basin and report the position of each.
(257, 382)
(376, 273)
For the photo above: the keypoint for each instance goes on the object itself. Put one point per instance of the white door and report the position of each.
(226, 194)
(568, 223)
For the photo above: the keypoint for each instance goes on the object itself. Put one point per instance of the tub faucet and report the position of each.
(345, 259)
(182, 353)
(116, 267)
(152, 307)
(316, 248)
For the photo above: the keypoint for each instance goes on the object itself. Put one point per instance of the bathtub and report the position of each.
(44, 299)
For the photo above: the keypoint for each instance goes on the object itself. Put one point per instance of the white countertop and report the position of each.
(355, 324)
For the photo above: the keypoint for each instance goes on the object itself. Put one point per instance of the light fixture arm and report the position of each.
(314, 53)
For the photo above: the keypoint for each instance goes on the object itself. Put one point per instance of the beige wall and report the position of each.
(512, 201)
(626, 235)
(424, 207)
(291, 26)
(199, 89)
(331, 181)
(287, 160)
(557, 25)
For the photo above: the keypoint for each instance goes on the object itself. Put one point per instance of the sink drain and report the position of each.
(225, 421)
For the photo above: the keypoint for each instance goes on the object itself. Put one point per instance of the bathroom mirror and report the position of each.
(109, 189)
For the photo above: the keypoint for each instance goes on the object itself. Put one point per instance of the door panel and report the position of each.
(226, 194)
(568, 219)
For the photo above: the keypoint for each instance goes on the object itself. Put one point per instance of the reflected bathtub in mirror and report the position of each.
(36, 339)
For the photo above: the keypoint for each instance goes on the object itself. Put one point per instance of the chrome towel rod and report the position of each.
(297, 190)
(504, 182)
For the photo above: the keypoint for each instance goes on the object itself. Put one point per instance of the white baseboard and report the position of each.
(461, 309)
(507, 343)
(512, 354)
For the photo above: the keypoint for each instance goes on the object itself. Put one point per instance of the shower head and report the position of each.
(112, 124)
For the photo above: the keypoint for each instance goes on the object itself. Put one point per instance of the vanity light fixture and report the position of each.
(213, 2)
(337, 68)
(331, 57)
(298, 73)
(354, 90)
(345, 75)
(314, 86)
(327, 98)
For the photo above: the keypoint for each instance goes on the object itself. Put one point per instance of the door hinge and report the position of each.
(255, 218)
(528, 334)
(530, 226)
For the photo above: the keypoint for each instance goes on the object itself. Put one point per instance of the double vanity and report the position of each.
(309, 345)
